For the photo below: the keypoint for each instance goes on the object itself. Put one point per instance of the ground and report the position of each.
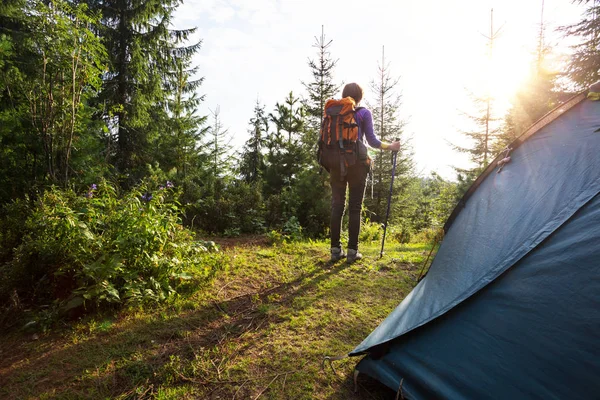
(260, 329)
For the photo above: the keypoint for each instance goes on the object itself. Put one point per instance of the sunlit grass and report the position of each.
(260, 328)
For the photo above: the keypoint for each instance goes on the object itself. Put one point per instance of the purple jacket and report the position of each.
(364, 119)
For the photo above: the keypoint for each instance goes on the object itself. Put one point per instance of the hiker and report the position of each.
(351, 174)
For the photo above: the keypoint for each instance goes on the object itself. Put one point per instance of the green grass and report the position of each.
(260, 330)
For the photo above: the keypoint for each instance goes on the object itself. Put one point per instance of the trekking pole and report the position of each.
(387, 214)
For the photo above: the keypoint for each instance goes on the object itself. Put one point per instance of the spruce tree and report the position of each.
(584, 67)
(286, 155)
(314, 208)
(388, 126)
(485, 129)
(484, 125)
(320, 89)
(218, 153)
(178, 147)
(273, 176)
(535, 97)
(252, 162)
(142, 50)
(289, 117)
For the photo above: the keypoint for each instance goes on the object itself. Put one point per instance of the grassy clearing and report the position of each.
(259, 330)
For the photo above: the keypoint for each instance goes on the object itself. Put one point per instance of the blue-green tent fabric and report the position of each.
(509, 306)
(532, 333)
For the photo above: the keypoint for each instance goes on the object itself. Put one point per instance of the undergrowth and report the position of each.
(79, 251)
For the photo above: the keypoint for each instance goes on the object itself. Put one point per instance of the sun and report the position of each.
(501, 76)
(507, 76)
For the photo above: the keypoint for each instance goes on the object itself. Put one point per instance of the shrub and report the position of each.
(314, 209)
(370, 231)
(100, 248)
(281, 207)
(429, 235)
(238, 208)
(292, 229)
(231, 232)
(275, 237)
(401, 233)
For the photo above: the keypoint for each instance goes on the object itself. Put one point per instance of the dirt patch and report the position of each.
(241, 241)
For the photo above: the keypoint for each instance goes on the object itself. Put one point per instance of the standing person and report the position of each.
(354, 177)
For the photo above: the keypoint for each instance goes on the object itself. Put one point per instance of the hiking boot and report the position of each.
(337, 253)
(353, 255)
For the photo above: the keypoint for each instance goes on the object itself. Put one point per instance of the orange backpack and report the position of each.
(338, 143)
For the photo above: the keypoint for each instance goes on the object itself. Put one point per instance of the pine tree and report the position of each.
(314, 207)
(142, 50)
(289, 117)
(534, 98)
(388, 126)
(485, 127)
(252, 162)
(584, 67)
(286, 155)
(320, 89)
(218, 153)
(178, 147)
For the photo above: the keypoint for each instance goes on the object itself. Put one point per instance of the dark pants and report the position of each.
(355, 180)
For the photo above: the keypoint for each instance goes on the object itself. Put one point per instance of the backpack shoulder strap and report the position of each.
(360, 135)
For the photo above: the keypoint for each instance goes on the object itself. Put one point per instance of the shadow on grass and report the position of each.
(138, 358)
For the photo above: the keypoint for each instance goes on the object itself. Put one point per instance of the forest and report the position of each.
(118, 190)
(107, 166)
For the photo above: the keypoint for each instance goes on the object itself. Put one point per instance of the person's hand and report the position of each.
(395, 146)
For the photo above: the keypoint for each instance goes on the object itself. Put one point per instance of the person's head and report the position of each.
(353, 90)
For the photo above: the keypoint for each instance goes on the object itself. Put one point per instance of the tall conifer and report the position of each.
(388, 126)
(183, 129)
(584, 67)
(141, 47)
(484, 125)
(535, 97)
(289, 117)
(321, 88)
(252, 159)
(286, 155)
(218, 152)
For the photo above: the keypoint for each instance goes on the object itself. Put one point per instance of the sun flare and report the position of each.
(502, 76)
(506, 78)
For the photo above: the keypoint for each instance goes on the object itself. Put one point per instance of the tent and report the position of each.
(510, 307)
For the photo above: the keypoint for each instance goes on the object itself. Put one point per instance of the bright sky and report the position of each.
(258, 49)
